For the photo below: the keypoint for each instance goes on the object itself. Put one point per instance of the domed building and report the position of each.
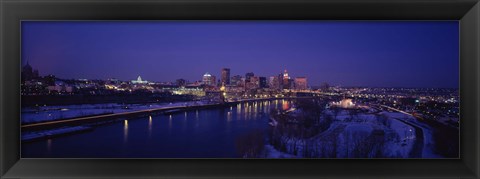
(139, 81)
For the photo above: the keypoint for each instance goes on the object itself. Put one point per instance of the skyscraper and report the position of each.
(208, 79)
(301, 83)
(280, 80)
(236, 80)
(248, 76)
(255, 80)
(285, 76)
(262, 82)
(286, 80)
(274, 82)
(253, 83)
(225, 78)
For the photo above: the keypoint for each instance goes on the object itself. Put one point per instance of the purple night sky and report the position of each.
(347, 53)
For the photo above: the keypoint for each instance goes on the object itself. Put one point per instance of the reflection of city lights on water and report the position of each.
(149, 124)
(239, 109)
(125, 130)
(229, 116)
(246, 111)
(285, 105)
(170, 121)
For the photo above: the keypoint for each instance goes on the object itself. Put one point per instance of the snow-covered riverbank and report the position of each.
(50, 113)
(368, 134)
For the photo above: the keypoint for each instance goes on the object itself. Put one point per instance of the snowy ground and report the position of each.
(427, 134)
(399, 134)
(49, 113)
(404, 137)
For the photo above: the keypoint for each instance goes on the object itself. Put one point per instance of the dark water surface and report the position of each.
(207, 133)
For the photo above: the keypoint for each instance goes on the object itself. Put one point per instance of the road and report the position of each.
(417, 150)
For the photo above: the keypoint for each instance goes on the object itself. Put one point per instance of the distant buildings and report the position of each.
(437, 104)
(253, 83)
(208, 79)
(60, 87)
(285, 76)
(248, 76)
(195, 91)
(225, 78)
(50, 80)
(274, 82)
(262, 82)
(280, 80)
(301, 83)
(112, 81)
(287, 81)
(181, 82)
(139, 81)
(236, 80)
(28, 73)
(345, 103)
(236, 86)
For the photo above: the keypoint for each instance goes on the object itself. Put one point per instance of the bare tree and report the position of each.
(251, 145)
(354, 114)
(361, 146)
(383, 119)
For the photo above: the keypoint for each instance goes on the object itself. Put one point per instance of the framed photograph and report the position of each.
(240, 89)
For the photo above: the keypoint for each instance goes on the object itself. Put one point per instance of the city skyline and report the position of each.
(173, 57)
(218, 80)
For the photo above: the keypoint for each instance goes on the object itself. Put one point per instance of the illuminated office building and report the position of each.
(208, 79)
(225, 78)
(236, 80)
(286, 82)
(248, 76)
(301, 83)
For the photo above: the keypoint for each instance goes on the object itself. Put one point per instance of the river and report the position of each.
(206, 133)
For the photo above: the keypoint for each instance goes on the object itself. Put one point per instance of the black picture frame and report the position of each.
(14, 11)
